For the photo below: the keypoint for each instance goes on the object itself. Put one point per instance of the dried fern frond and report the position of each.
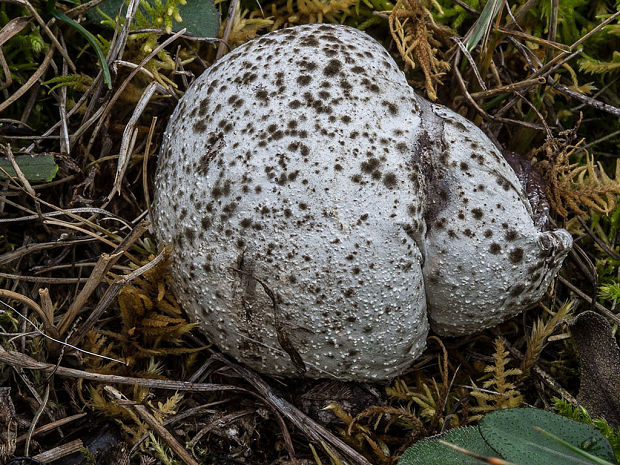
(575, 186)
(245, 26)
(416, 35)
(402, 415)
(538, 337)
(316, 11)
(590, 65)
(433, 398)
(497, 392)
(150, 313)
(427, 398)
(358, 435)
(284, 13)
(128, 420)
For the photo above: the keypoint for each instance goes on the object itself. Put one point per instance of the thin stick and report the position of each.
(509, 88)
(103, 266)
(601, 309)
(298, 418)
(230, 19)
(150, 420)
(584, 98)
(30, 82)
(145, 160)
(108, 108)
(19, 360)
(110, 296)
(36, 417)
(51, 426)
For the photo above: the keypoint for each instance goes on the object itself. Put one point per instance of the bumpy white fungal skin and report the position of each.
(485, 258)
(308, 195)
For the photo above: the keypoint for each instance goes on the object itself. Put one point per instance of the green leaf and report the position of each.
(511, 432)
(432, 452)
(59, 15)
(40, 168)
(200, 17)
(483, 24)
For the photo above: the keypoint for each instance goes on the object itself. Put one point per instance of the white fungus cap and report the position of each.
(296, 188)
(485, 259)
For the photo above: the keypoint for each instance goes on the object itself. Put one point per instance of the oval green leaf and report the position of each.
(512, 434)
(40, 168)
(200, 17)
(431, 452)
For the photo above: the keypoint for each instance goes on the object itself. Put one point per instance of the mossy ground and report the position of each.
(539, 88)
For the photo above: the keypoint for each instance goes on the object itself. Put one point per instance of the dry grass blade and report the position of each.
(509, 88)
(145, 159)
(13, 27)
(31, 81)
(48, 323)
(298, 418)
(130, 134)
(20, 175)
(537, 40)
(59, 452)
(149, 419)
(51, 426)
(111, 294)
(472, 62)
(120, 39)
(481, 29)
(91, 210)
(105, 110)
(7, 73)
(35, 418)
(232, 14)
(96, 277)
(25, 250)
(18, 360)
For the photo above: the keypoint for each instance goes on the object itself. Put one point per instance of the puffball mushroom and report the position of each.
(320, 213)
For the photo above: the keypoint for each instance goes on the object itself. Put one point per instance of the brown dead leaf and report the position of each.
(599, 360)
